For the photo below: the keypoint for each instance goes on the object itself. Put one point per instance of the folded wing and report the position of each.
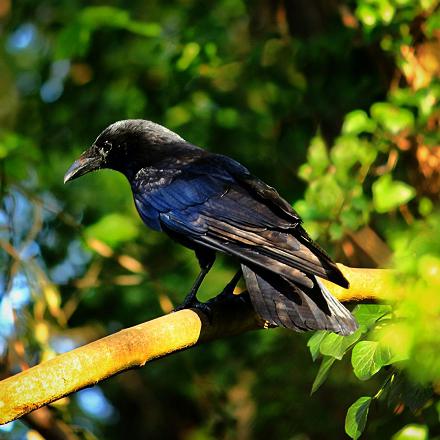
(224, 208)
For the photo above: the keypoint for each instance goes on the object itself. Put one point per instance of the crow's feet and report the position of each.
(205, 308)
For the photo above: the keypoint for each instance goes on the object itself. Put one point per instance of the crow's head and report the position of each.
(123, 145)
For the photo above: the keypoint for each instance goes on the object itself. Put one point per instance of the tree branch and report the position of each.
(134, 347)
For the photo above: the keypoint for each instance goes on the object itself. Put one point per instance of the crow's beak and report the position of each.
(82, 166)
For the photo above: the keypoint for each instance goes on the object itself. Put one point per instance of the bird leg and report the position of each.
(191, 299)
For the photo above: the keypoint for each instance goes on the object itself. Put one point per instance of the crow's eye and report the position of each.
(107, 144)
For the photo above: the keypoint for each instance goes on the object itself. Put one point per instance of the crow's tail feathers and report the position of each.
(285, 304)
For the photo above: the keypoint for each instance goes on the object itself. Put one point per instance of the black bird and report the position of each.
(210, 202)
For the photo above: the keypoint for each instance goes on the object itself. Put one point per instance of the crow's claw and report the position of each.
(205, 308)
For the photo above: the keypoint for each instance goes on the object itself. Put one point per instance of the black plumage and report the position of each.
(210, 202)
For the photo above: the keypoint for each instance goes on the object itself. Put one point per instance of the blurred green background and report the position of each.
(335, 103)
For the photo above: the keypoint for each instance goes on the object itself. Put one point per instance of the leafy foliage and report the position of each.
(336, 105)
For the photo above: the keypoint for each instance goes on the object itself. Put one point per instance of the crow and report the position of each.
(211, 203)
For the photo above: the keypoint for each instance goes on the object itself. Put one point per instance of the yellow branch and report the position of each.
(365, 284)
(134, 347)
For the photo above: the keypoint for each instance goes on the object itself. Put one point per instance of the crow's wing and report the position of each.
(218, 204)
(229, 211)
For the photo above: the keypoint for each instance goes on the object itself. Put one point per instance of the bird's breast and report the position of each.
(148, 213)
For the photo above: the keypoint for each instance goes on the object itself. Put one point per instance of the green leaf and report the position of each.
(412, 432)
(177, 116)
(144, 29)
(350, 150)
(317, 156)
(189, 54)
(336, 345)
(98, 16)
(368, 357)
(367, 15)
(227, 117)
(389, 194)
(306, 211)
(322, 374)
(356, 417)
(432, 24)
(326, 195)
(336, 231)
(357, 122)
(95, 17)
(367, 314)
(350, 219)
(10, 141)
(386, 11)
(425, 206)
(113, 229)
(391, 117)
(315, 341)
(305, 172)
(75, 38)
(428, 4)
(428, 268)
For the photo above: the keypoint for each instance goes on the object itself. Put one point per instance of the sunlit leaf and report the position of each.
(326, 195)
(314, 342)
(305, 172)
(367, 314)
(391, 117)
(389, 194)
(429, 269)
(367, 14)
(357, 122)
(356, 418)
(336, 345)
(398, 338)
(386, 11)
(425, 206)
(349, 150)
(317, 155)
(428, 4)
(412, 432)
(113, 229)
(368, 357)
(189, 54)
